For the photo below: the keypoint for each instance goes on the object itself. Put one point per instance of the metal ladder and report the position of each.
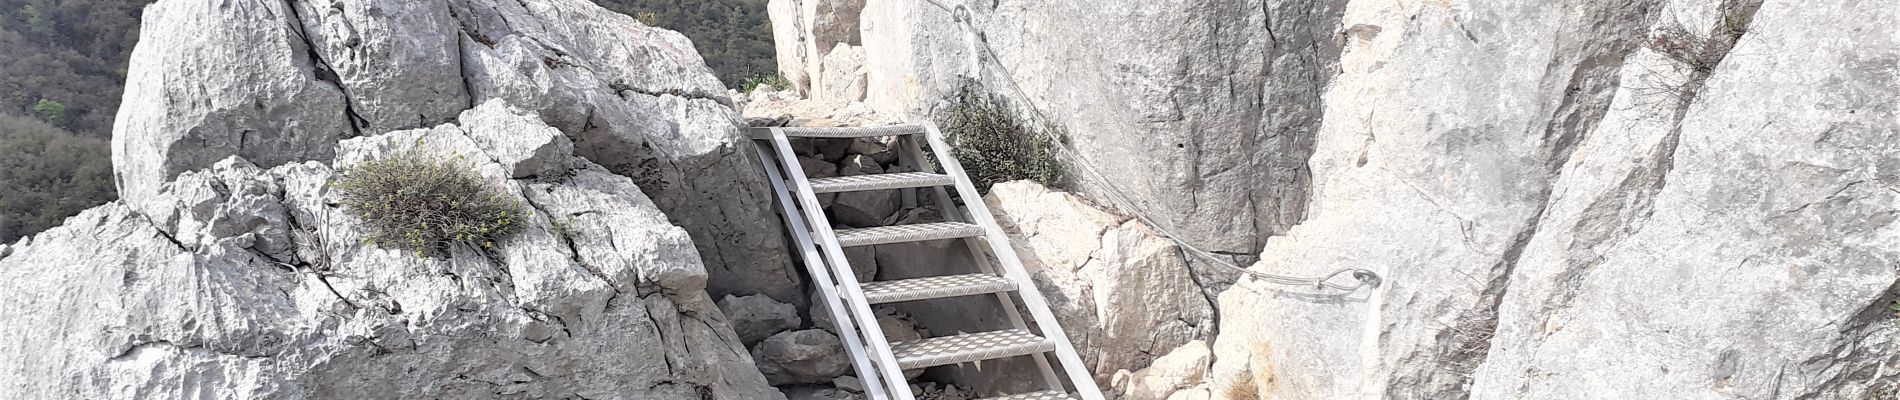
(880, 364)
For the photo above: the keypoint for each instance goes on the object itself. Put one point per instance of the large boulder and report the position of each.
(276, 83)
(257, 284)
(1200, 112)
(805, 32)
(640, 101)
(210, 81)
(1123, 294)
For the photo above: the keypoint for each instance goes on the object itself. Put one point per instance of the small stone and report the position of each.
(807, 356)
(848, 382)
(864, 208)
(863, 261)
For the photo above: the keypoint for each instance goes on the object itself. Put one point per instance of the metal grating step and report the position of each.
(906, 233)
(1049, 395)
(854, 132)
(899, 180)
(968, 347)
(935, 287)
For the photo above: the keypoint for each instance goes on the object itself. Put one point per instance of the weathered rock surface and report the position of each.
(1618, 222)
(258, 285)
(397, 60)
(281, 83)
(1123, 294)
(843, 75)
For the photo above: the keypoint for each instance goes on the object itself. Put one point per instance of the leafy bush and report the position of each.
(994, 145)
(425, 204)
(775, 80)
(48, 174)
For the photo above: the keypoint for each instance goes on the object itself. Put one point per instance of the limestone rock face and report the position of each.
(257, 284)
(1122, 293)
(276, 84)
(1619, 221)
(1698, 190)
(397, 60)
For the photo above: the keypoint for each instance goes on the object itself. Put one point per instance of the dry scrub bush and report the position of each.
(426, 204)
(994, 145)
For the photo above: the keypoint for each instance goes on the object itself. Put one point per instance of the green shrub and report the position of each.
(425, 204)
(776, 81)
(995, 145)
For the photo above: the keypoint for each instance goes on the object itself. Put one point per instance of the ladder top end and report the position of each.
(759, 133)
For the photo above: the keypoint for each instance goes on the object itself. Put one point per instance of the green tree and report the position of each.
(52, 112)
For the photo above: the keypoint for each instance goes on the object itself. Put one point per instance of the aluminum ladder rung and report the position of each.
(901, 180)
(843, 133)
(1049, 395)
(907, 233)
(935, 287)
(968, 347)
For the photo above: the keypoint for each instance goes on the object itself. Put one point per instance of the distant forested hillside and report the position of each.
(63, 61)
(63, 65)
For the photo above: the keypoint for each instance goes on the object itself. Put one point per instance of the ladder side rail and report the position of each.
(1078, 373)
(912, 151)
(814, 266)
(841, 270)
